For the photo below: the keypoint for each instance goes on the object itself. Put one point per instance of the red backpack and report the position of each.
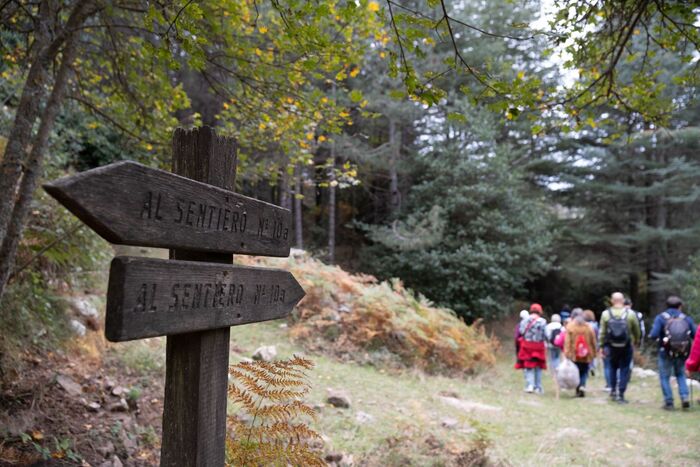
(582, 349)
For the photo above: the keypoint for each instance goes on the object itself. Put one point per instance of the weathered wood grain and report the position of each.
(132, 204)
(196, 376)
(153, 297)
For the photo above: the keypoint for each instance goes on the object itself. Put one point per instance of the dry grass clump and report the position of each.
(269, 427)
(356, 317)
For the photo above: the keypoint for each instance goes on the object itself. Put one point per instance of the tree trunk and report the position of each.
(33, 166)
(331, 207)
(656, 219)
(298, 224)
(332, 189)
(285, 200)
(18, 141)
(395, 142)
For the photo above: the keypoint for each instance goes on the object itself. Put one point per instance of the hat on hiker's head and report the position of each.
(536, 308)
(524, 314)
(674, 301)
(556, 318)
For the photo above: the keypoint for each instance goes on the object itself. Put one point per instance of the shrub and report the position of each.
(266, 429)
(356, 317)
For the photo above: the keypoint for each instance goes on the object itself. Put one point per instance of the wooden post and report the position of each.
(196, 381)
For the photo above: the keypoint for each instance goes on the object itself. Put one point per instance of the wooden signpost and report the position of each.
(155, 297)
(196, 296)
(131, 204)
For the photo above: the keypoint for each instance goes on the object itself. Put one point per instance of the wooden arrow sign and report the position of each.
(131, 204)
(154, 297)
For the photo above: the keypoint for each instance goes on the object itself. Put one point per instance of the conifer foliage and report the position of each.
(269, 425)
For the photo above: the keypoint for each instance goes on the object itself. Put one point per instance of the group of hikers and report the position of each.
(575, 335)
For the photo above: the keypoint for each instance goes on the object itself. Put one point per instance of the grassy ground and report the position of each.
(397, 418)
(406, 411)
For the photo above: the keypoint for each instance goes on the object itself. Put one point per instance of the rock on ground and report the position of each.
(340, 459)
(338, 398)
(68, 385)
(449, 423)
(363, 417)
(78, 328)
(121, 406)
(84, 307)
(266, 353)
(119, 391)
(468, 406)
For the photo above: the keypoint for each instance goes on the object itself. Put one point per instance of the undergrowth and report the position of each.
(31, 317)
(357, 317)
(269, 427)
(55, 259)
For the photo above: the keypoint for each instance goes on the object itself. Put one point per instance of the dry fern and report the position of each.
(268, 428)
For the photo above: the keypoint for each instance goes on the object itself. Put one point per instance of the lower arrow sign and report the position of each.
(154, 297)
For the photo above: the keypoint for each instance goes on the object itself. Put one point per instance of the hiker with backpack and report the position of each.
(551, 331)
(619, 334)
(580, 347)
(532, 348)
(674, 330)
(519, 363)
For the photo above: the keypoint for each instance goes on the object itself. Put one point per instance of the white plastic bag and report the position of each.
(567, 374)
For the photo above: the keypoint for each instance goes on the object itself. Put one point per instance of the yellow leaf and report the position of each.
(382, 54)
(37, 435)
(355, 72)
(324, 100)
(226, 105)
(262, 126)
(321, 139)
(373, 6)
(521, 74)
(309, 136)
(262, 29)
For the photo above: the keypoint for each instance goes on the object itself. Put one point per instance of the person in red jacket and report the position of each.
(532, 350)
(693, 362)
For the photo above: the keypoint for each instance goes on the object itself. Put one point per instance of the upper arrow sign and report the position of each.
(155, 297)
(131, 204)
